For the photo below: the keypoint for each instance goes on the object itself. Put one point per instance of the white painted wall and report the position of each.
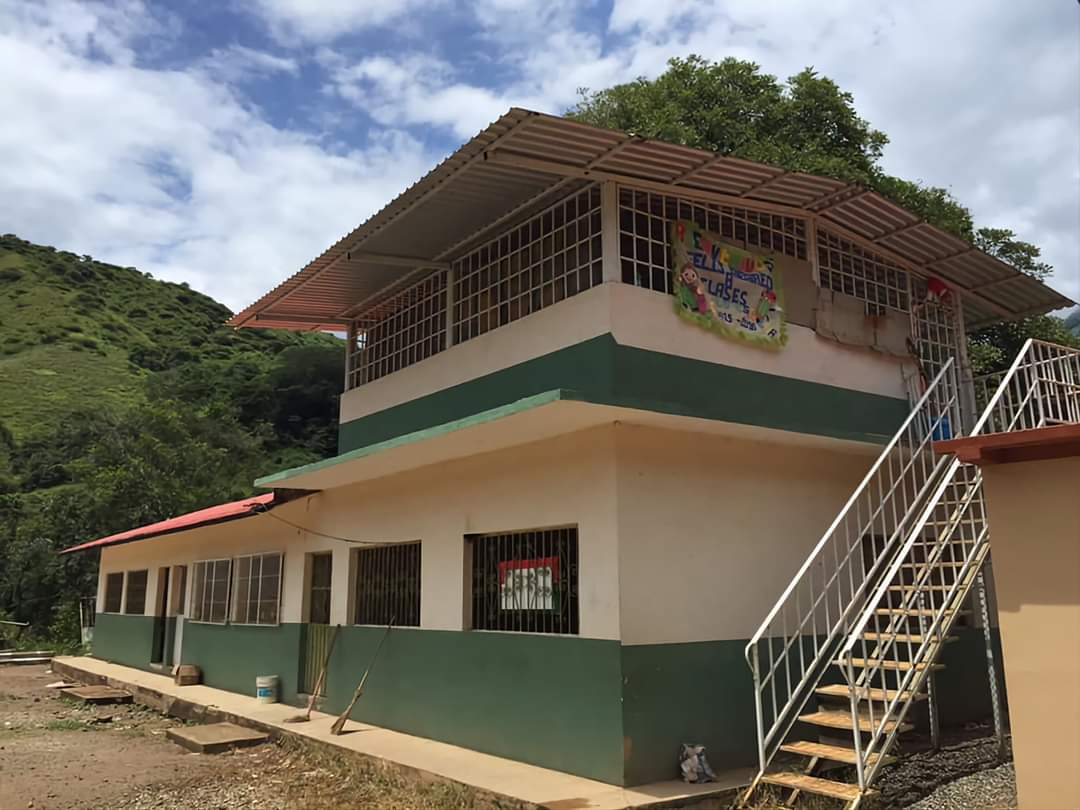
(636, 317)
(712, 528)
(569, 480)
(683, 536)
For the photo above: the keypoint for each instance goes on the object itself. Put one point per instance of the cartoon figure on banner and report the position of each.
(726, 289)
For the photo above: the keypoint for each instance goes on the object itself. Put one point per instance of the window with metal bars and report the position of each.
(405, 329)
(114, 592)
(549, 257)
(210, 591)
(388, 585)
(645, 219)
(257, 589)
(322, 567)
(525, 581)
(847, 268)
(135, 600)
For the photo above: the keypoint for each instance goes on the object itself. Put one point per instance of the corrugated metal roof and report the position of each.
(203, 517)
(524, 157)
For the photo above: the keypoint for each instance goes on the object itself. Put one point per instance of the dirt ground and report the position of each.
(59, 755)
(56, 755)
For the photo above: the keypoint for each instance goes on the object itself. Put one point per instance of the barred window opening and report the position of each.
(548, 258)
(135, 601)
(257, 590)
(847, 268)
(210, 591)
(388, 585)
(114, 592)
(405, 329)
(645, 219)
(525, 581)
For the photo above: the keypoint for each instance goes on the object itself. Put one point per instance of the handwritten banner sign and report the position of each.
(726, 289)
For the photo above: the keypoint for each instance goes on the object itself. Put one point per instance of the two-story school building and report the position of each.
(603, 395)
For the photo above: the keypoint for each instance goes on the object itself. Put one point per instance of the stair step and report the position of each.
(842, 719)
(902, 666)
(836, 753)
(812, 784)
(914, 638)
(935, 565)
(838, 690)
(912, 587)
(916, 612)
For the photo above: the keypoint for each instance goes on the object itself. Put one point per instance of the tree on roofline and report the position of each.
(807, 124)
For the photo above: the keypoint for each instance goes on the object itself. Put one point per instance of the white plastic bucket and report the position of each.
(266, 688)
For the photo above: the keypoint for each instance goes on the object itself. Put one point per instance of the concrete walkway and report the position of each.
(502, 778)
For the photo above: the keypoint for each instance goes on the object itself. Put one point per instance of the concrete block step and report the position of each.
(215, 737)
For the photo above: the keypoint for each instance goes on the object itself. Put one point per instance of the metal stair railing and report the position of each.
(1041, 388)
(801, 635)
(950, 535)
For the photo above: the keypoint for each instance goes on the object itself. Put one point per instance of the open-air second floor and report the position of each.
(548, 256)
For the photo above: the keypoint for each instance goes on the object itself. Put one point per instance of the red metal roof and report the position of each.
(203, 517)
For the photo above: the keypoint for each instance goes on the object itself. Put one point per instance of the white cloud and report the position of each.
(171, 171)
(174, 170)
(325, 20)
(237, 63)
(983, 100)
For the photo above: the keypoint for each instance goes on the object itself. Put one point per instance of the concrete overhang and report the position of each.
(532, 419)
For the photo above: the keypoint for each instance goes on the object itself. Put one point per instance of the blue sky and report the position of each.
(227, 143)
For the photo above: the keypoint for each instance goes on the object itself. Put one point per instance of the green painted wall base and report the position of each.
(126, 640)
(602, 371)
(591, 707)
(233, 656)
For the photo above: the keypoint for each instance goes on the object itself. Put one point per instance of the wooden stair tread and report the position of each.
(842, 719)
(888, 663)
(812, 784)
(939, 564)
(836, 753)
(913, 587)
(916, 612)
(914, 638)
(839, 690)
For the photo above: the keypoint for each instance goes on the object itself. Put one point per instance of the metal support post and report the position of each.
(991, 668)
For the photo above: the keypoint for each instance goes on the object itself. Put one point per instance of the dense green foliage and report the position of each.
(807, 124)
(125, 400)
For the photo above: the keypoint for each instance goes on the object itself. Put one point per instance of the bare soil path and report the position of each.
(59, 755)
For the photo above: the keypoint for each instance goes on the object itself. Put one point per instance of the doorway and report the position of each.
(179, 610)
(161, 618)
(317, 630)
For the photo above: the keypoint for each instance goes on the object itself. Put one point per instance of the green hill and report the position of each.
(125, 399)
(1072, 322)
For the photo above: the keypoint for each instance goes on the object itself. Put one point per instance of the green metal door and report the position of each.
(317, 631)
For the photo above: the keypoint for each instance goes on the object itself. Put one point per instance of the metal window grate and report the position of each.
(322, 566)
(525, 581)
(403, 330)
(135, 601)
(549, 257)
(849, 269)
(114, 592)
(210, 591)
(645, 219)
(388, 585)
(257, 590)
